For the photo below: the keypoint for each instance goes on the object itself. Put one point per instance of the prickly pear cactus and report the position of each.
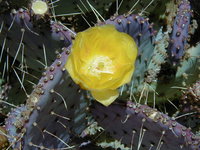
(41, 107)
(133, 124)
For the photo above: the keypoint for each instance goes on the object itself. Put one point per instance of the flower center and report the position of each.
(101, 64)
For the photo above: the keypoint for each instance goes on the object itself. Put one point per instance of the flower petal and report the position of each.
(105, 97)
(102, 60)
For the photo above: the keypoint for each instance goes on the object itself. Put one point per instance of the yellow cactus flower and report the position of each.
(102, 60)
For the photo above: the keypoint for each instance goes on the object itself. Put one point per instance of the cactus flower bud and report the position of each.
(39, 7)
(102, 60)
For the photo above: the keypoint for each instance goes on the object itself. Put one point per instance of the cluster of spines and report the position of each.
(3, 139)
(15, 124)
(190, 101)
(158, 57)
(4, 91)
(171, 80)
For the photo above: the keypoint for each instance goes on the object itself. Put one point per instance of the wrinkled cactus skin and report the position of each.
(42, 108)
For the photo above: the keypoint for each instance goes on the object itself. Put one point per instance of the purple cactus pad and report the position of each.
(179, 36)
(38, 39)
(56, 110)
(142, 127)
(134, 25)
